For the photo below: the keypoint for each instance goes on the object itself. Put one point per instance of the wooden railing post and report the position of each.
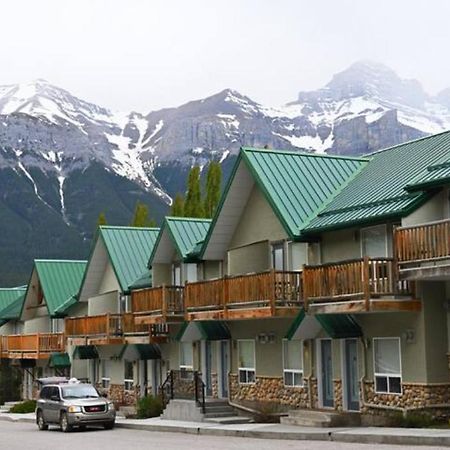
(107, 326)
(163, 301)
(305, 288)
(272, 278)
(366, 281)
(225, 296)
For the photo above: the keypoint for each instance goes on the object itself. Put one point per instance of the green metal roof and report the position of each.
(11, 301)
(128, 250)
(60, 281)
(378, 191)
(299, 185)
(185, 232)
(210, 330)
(143, 281)
(434, 175)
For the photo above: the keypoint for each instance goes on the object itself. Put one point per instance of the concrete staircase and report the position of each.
(217, 411)
(321, 418)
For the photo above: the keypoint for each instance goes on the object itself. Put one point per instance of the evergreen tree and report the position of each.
(141, 216)
(101, 219)
(193, 206)
(177, 208)
(213, 182)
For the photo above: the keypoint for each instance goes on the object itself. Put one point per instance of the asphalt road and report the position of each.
(24, 436)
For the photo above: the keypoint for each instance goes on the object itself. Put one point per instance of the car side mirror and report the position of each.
(55, 398)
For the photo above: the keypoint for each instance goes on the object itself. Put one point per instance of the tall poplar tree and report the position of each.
(193, 205)
(177, 208)
(212, 194)
(141, 216)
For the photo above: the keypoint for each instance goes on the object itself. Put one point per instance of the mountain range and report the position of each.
(64, 160)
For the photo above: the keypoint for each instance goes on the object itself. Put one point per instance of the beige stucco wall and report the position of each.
(257, 223)
(251, 258)
(340, 245)
(109, 281)
(37, 325)
(210, 269)
(102, 304)
(435, 209)
(161, 274)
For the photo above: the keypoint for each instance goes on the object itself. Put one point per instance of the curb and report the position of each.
(335, 436)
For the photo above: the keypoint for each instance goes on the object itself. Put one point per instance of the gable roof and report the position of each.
(296, 185)
(11, 301)
(60, 281)
(127, 249)
(379, 191)
(185, 233)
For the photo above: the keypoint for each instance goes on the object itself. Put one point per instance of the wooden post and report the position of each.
(272, 292)
(305, 288)
(225, 296)
(107, 327)
(366, 281)
(163, 301)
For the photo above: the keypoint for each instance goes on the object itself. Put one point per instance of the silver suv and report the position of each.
(73, 404)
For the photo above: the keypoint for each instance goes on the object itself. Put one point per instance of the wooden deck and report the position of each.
(356, 286)
(108, 329)
(423, 249)
(252, 296)
(158, 305)
(31, 346)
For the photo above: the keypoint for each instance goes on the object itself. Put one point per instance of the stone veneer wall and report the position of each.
(337, 395)
(414, 396)
(268, 389)
(118, 394)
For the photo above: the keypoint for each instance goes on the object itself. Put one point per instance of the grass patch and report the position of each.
(28, 406)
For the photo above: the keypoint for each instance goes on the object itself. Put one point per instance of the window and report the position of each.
(105, 374)
(45, 393)
(186, 359)
(56, 325)
(278, 256)
(374, 242)
(387, 365)
(191, 272)
(246, 352)
(129, 375)
(124, 303)
(293, 363)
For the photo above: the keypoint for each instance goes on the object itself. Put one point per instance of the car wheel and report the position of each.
(41, 422)
(108, 425)
(64, 423)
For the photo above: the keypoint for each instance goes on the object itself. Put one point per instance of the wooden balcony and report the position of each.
(259, 295)
(356, 286)
(423, 251)
(110, 329)
(158, 305)
(32, 346)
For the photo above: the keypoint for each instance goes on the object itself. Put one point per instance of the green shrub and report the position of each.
(149, 407)
(25, 407)
(414, 419)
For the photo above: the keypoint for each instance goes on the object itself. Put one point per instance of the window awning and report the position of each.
(148, 351)
(59, 360)
(336, 326)
(85, 352)
(207, 330)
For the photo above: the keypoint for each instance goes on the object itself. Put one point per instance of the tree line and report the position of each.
(195, 202)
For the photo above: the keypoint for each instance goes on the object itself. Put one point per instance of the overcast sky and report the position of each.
(148, 54)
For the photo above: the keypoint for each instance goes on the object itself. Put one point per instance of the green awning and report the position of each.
(85, 352)
(59, 360)
(337, 326)
(148, 351)
(207, 330)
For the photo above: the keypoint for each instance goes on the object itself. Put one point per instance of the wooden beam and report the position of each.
(216, 314)
(395, 305)
(358, 307)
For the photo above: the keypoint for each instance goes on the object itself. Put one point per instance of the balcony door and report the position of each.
(374, 242)
(278, 259)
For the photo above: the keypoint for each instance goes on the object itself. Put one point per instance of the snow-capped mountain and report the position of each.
(64, 160)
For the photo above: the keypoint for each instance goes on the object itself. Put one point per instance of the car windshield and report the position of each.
(79, 391)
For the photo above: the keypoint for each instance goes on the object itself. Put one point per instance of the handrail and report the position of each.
(423, 242)
(33, 342)
(199, 385)
(166, 299)
(425, 224)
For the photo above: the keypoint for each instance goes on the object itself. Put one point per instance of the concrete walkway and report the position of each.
(363, 435)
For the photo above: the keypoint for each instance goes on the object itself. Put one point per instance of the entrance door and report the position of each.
(208, 368)
(326, 379)
(351, 374)
(224, 368)
(143, 378)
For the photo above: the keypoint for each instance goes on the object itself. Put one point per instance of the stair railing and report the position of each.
(199, 391)
(166, 389)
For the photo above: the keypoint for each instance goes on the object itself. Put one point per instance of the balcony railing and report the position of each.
(360, 279)
(34, 346)
(106, 327)
(425, 242)
(163, 301)
(272, 291)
